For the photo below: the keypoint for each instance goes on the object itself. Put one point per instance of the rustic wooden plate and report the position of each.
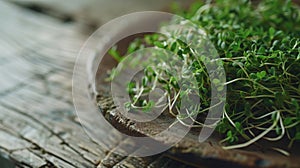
(189, 150)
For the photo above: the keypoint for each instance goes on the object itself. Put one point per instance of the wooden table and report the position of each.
(38, 124)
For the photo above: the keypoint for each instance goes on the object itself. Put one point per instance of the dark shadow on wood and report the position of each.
(6, 163)
(46, 11)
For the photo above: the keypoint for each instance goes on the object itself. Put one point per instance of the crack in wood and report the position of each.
(47, 128)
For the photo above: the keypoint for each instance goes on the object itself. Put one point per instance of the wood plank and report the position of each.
(94, 12)
(38, 123)
(28, 158)
(35, 125)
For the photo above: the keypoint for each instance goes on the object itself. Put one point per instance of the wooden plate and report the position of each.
(189, 150)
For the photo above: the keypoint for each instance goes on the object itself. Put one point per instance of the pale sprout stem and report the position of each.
(254, 105)
(251, 132)
(263, 116)
(199, 124)
(170, 109)
(175, 98)
(292, 125)
(282, 132)
(246, 79)
(257, 137)
(282, 151)
(229, 119)
(259, 96)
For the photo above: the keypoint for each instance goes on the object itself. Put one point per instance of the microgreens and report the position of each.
(259, 45)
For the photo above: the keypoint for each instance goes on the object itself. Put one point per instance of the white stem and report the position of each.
(256, 138)
(282, 132)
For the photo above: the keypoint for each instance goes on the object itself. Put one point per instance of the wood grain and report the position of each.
(38, 124)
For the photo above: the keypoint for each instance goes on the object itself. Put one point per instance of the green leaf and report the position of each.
(159, 44)
(115, 54)
(220, 88)
(271, 32)
(216, 81)
(287, 121)
(134, 46)
(261, 74)
(277, 130)
(229, 134)
(223, 45)
(173, 46)
(261, 50)
(253, 76)
(239, 127)
(145, 81)
(297, 136)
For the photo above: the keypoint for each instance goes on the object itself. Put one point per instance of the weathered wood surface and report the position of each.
(95, 12)
(38, 124)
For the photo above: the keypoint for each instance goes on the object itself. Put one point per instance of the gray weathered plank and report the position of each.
(38, 123)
